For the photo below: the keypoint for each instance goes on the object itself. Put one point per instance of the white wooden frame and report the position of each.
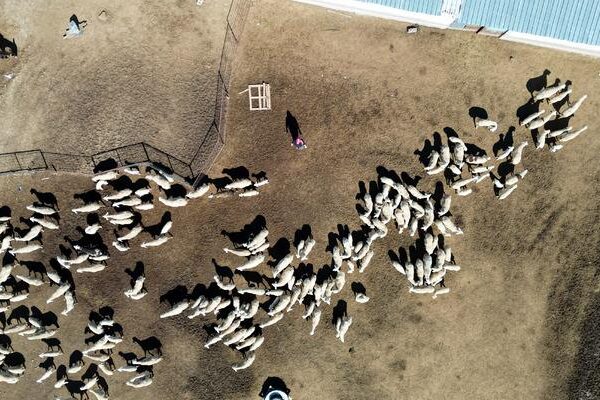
(259, 97)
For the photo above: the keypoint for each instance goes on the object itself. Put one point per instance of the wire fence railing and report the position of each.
(141, 153)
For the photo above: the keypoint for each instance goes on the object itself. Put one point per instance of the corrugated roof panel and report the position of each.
(576, 21)
(432, 7)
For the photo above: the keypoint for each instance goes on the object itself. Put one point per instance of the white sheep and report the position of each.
(132, 170)
(248, 360)
(222, 285)
(199, 192)
(44, 222)
(106, 176)
(315, 318)
(282, 264)
(43, 210)
(518, 153)
(492, 126)
(87, 208)
(33, 232)
(177, 309)
(258, 239)
(121, 246)
(274, 319)
(128, 202)
(156, 242)
(361, 298)
(505, 153)
(279, 304)
(121, 194)
(30, 281)
(159, 180)
(342, 324)
(537, 123)
(416, 193)
(30, 248)
(506, 191)
(100, 185)
(541, 139)
(133, 232)
(239, 184)
(548, 92)
(433, 160)
(47, 373)
(238, 252)
(69, 302)
(559, 132)
(560, 96)
(253, 262)
(62, 289)
(571, 135)
(462, 182)
(473, 159)
(573, 109)
(286, 275)
(421, 290)
(364, 262)
(554, 147)
(531, 117)
(93, 229)
(142, 380)
(141, 192)
(173, 201)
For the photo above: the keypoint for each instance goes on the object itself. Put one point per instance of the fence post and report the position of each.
(18, 163)
(44, 159)
(145, 151)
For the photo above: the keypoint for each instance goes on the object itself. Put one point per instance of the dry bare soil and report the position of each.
(521, 320)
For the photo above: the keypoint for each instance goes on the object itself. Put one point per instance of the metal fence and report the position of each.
(215, 137)
(208, 148)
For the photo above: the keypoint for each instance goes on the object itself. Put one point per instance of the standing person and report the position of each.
(293, 128)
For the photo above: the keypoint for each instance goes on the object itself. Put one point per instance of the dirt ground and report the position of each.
(145, 72)
(521, 320)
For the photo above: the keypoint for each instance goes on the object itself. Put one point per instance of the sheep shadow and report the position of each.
(137, 271)
(91, 196)
(174, 296)
(257, 224)
(340, 310)
(14, 360)
(46, 198)
(504, 141)
(527, 109)
(151, 345)
(358, 288)
(538, 83)
(476, 113)
(5, 212)
(106, 165)
(280, 249)
(303, 233)
(237, 173)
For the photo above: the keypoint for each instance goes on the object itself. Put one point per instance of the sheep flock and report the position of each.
(257, 282)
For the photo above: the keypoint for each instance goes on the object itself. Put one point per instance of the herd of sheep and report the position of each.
(245, 302)
(450, 158)
(264, 282)
(123, 198)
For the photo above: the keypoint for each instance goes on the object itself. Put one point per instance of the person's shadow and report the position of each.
(292, 126)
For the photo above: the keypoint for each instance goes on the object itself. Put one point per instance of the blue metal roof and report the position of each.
(572, 20)
(432, 7)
